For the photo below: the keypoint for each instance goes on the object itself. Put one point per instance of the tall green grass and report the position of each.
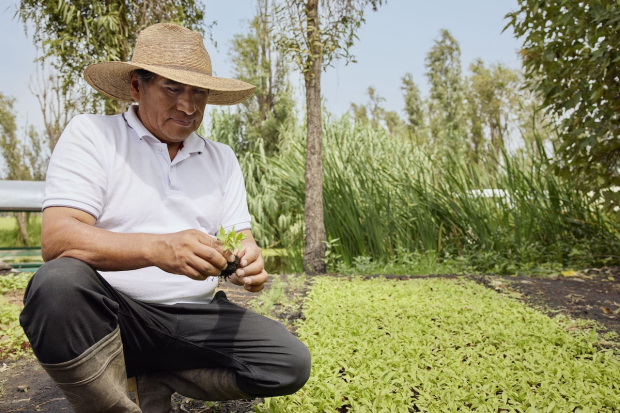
(386, 201)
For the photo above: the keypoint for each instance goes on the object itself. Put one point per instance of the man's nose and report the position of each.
(187, 103)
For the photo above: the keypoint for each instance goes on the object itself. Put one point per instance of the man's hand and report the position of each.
(191, 253)
(251, 272)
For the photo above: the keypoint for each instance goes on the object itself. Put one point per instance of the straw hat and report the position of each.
(173, 52)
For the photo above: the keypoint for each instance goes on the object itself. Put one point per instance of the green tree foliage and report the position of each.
(375, 114)
(257, 62)
(571, 56)
(414, 107)
(74, 34)
(313, 33)
(25, 159)
(58, 104)
(492, 105)
(443, 64)
(22, 157)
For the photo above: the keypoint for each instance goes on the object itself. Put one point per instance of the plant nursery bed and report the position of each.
(445, 345)
(424, 343)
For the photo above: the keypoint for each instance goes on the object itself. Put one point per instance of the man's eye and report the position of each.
(173, 89)
(200, 92)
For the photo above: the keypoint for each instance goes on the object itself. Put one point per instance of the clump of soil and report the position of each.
(230, 269)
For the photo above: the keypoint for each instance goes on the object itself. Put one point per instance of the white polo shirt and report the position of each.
(113, 168)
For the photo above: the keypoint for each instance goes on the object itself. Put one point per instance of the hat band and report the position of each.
(174, 67)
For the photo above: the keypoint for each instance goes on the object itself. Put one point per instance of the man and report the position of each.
(131, 267)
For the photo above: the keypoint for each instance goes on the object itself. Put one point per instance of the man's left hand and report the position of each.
(251, 271)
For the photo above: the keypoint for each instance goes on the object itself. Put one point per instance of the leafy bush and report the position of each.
(437, 345)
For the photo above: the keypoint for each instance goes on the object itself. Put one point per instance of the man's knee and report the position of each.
(55, 281)
(66, 310)
(293, 367)
(298, 367)
(56, 290)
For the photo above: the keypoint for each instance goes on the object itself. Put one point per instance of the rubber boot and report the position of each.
(154, 390)
(95, 381)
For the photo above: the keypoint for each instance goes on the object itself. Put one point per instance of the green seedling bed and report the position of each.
(445, 345)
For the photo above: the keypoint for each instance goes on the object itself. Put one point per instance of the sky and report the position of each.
(393, 41)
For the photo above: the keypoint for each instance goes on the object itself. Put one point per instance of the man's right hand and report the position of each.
(191, 253)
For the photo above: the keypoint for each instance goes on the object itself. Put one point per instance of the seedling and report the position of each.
(231, 242)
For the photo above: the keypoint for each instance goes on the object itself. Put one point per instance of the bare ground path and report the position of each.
(589, 294)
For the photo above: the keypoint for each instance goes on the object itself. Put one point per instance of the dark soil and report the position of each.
(230, 269)
(590, 294)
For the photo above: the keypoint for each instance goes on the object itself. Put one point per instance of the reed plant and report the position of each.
(389, 201)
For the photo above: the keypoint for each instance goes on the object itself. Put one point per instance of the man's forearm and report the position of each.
(70, 236)
(68, 232)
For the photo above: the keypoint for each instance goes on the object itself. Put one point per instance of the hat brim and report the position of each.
(112, 80)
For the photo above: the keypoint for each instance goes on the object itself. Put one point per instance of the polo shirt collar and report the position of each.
(193, 143)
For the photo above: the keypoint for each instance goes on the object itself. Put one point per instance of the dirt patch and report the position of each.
(25, 387)
(15, 297)
(592, 294)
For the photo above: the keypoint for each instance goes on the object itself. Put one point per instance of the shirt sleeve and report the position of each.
(235, 212)
(76, 176)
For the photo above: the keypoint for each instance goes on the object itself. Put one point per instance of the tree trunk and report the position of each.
(265, 64)
(22, 224)
(314, 253)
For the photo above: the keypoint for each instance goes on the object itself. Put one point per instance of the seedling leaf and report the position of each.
(232, 240)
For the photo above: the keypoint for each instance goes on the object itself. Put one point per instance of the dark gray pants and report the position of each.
(68, 307)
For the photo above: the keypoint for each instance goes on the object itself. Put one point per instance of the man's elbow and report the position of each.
(48, 252)
(53, 242)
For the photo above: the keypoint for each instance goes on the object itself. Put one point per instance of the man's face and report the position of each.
(171, 111)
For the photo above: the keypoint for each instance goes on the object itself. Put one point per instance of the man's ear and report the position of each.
(135, 87)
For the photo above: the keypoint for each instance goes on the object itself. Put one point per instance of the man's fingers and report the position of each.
(210, 241)
(254, 288)
(250, 256)
(235, 279)
(255, 283)
(252, 269)
(255, 280)
(205, 268)
(192, 273)
(212, 256)
(240, 252)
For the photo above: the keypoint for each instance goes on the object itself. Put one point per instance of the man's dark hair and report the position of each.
(144, 76)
